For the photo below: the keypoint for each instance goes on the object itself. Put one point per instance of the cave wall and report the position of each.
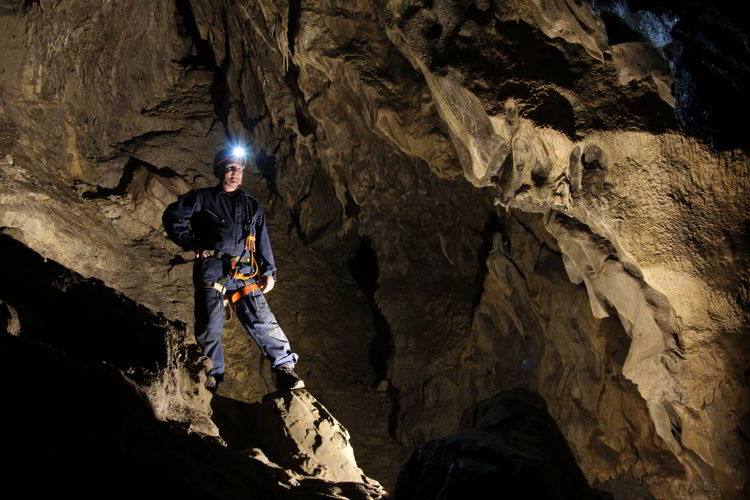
(104, 219)
(539, 212)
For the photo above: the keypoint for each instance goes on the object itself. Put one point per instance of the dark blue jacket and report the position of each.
(213, 219)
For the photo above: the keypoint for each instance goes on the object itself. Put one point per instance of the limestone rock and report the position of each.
(167, 374)
(396, 126)
(707, 72)
(314, 443)
(534, 327)
(92, 322)
(152, 193)
(95, 207)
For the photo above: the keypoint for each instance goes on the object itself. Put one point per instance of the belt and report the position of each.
(235, 296)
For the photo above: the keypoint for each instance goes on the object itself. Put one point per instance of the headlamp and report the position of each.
(238, 153)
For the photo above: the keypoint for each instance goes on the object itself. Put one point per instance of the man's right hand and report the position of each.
(266, 283)
(203, 253)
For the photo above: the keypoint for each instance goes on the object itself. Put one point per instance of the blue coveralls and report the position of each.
(213, 219)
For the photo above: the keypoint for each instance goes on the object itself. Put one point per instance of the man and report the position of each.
(234, 265)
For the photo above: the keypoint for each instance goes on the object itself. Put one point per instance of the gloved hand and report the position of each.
(266, 283)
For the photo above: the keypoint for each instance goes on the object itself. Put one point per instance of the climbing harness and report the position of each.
(249, 247)
(233, 262)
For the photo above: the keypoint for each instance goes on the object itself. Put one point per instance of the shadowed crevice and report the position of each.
(363, 265)
(126, 178)
(495, 224)
(204, 56)
(291, 78)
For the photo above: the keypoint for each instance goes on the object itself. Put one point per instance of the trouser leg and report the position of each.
(257, 318)
(209, 326)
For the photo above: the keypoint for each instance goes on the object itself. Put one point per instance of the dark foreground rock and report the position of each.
(84, 429)
(511, 448)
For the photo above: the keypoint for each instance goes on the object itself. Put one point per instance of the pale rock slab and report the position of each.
(314, 443)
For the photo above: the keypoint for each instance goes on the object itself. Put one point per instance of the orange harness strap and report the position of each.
(243, 292)
(231, 300)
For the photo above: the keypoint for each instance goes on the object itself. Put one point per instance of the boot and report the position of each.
(287, 379)
(213, 381)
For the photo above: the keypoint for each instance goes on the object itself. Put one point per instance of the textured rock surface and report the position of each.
(9, 318)
(98, 205)
(313, 442)
(534, 327)
(388, 130)
(87, 323)
(706, 48)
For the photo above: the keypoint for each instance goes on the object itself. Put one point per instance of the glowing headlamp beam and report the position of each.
(238, 152)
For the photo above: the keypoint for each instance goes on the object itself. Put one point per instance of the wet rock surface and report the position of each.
(464, 197)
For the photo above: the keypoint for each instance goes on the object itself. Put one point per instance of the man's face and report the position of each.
(232, 176)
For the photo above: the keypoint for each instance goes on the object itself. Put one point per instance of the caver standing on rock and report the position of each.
(234, 266)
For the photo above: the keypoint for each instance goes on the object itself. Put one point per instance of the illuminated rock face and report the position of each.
(533, 211)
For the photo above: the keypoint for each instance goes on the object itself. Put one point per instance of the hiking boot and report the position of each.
(287, 379)
(213, 381)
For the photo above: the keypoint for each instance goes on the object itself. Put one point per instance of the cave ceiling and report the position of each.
(549, 194)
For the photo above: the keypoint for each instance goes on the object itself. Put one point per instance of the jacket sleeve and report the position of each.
(176, 218)
(263, 252)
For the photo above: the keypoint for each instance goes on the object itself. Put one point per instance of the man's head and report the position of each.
(229, 164)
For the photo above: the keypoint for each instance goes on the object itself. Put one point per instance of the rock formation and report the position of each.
(465, 197)
(85, 429)
(509, 447)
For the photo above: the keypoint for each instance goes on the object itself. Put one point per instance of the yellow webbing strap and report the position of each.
(250, 247)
